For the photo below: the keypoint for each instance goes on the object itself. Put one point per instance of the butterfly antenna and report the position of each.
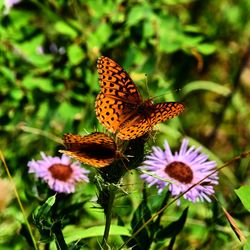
(175, 90)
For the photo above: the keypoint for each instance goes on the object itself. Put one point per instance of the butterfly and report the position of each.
(96, 149)
(120, 107)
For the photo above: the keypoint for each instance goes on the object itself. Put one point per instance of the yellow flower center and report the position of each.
(61, 172)
(180, 172)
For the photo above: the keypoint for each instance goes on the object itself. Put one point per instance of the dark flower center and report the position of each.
(61, 172)
(179, 171)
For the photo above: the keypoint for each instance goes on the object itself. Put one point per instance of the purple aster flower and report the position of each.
(180, 171)
(61, 174)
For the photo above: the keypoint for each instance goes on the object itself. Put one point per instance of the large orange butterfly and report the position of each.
(96, 149)
(119, 105)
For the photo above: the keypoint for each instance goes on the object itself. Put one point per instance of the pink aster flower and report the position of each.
(61, 174)
(180, 171)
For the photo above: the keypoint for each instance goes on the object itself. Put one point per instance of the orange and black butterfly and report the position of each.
(120, 107)
(96, 149)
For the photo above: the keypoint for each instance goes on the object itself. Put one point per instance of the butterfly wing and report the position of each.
(119, 97)
(149, 115)
(116, 82)
(96, 149)
(161, 112)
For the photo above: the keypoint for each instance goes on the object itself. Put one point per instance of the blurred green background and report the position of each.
(196, 52)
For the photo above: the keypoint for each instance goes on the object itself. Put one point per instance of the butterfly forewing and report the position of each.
(116, 82)
(96, 149)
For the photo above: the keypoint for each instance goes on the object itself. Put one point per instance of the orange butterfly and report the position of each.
(96, 149)
(120, 108)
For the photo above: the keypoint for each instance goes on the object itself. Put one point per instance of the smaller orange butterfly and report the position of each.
(96, 149)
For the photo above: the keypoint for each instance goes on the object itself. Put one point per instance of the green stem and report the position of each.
(108, 215)
(60, 242)
(171, 243)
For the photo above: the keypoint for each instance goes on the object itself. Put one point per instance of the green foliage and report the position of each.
(48, 85)
(243, 194)
(41, 217)
(174, 228)
(73, 233)
(143, 239)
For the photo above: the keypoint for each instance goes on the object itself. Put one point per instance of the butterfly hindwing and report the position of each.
(161, 112)
(139, 124)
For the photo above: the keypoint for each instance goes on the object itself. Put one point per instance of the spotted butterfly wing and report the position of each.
(96, 149)
(118, 97)
(138, 125)
(119, 105)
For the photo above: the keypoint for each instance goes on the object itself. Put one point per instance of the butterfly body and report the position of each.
(96, 149)
(120, 107)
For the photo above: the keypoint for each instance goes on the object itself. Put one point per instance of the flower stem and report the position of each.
(57, 230)
(108, 215)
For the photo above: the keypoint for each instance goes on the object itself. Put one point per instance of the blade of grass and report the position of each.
(18, 199)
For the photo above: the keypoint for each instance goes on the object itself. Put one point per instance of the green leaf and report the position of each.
(177, 1)
(21, 20)
(75, 54)
(32, 82)
(206, 49)
(90, 79)
(206, 85)
(9, 74)
(42, 218)
(174, 228)
(171, 36)
(65, 29)
(28, 51)
(148, 29)
(73, 233)
(138, 13)
(100, 36)
(42, 213)
(192, 28)
(170, 44)
(16, 94)
(141, 215)
(67, 111)
(247, 245)
(243, 193)
(46, 207)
